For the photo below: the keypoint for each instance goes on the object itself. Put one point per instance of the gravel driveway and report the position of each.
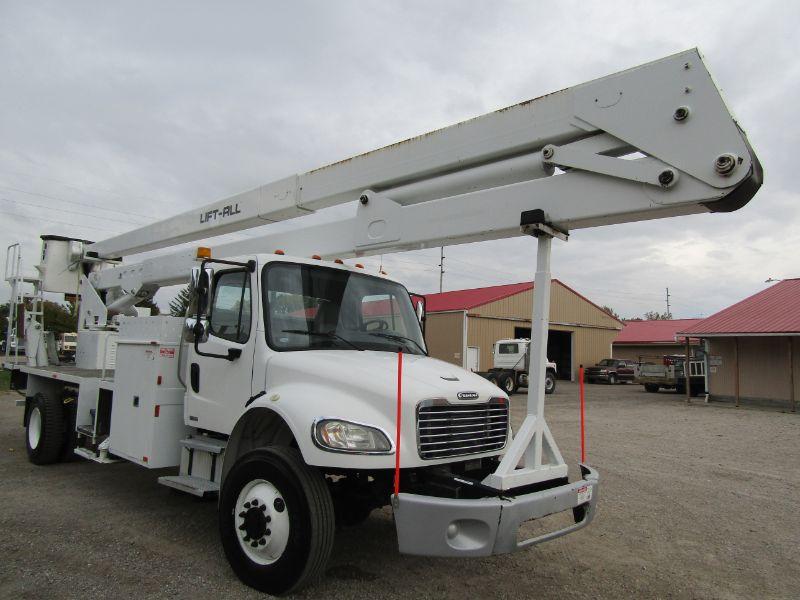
(696, 501)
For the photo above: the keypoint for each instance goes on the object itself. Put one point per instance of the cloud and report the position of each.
(114, 115)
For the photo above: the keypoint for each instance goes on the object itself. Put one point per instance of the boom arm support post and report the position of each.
(534, 445)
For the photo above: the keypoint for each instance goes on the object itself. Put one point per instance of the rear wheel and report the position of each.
(651, 387)
(276, 520)
(508, 383)
(44, 437)
(493, 379)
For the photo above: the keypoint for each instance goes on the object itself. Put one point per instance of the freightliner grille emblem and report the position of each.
(467, 395)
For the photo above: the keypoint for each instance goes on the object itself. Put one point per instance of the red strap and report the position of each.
(399, 416)
(583, 431)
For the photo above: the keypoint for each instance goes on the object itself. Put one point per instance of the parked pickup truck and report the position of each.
(612, 370)
(671, 374)
(510, 359)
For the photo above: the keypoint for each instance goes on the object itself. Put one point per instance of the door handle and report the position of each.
(194, 377)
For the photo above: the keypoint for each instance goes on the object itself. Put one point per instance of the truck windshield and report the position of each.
(309, 307)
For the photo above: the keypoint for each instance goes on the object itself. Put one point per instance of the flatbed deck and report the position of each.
(67, 372)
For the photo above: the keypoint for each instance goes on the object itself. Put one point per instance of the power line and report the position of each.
(74, 186)
(84, 204)
(23, 203)
(38, 219)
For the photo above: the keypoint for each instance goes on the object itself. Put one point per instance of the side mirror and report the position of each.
(195, 329)
(201, 281)
(419, 303)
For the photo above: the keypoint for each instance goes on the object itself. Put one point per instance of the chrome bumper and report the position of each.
(431, 526)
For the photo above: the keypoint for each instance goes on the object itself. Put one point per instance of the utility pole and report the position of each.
(668, 313)
(441, 267)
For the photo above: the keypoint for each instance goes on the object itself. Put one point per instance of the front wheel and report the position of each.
(651, 387)
(549, 383)
(612, 379)
(276, 520)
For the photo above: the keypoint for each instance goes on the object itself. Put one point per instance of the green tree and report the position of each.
(654, 315)
(59, 318)
(611, 311)
(180, 303)
(3, 320)
(148, 303)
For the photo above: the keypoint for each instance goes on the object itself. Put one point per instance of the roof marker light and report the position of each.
(359, 266)
(316, 257)
(204, 252)
(280, 252)
(339, 261)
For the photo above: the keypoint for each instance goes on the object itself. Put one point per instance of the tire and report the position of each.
(612, 379)
(44, 433)
(301, 520)
(508, 383)
(651, 387)
(549, 383)
(493, 379)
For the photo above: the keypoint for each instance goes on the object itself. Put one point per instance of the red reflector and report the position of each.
(144, 459)
(157, 410)
(158, 381)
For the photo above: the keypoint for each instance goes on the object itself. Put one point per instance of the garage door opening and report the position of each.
(559, 349)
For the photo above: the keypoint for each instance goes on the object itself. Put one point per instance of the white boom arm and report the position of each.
(471, 181)
(654, 141)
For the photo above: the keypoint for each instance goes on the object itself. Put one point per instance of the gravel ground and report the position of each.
(696, 501)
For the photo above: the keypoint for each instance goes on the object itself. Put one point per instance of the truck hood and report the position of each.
(375, 373)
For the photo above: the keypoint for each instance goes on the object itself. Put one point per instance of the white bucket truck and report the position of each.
(510, 363)
(282, 392)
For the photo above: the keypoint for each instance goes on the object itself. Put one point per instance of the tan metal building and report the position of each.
(463, 325)
(754, 347)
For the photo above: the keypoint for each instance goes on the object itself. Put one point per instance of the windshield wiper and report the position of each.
(329, 335)
(397, 337)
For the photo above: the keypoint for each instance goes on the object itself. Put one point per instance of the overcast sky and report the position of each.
(118, 114)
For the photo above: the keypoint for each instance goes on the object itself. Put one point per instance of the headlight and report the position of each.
(343, 436)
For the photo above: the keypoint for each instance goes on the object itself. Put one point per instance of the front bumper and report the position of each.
(431, 526)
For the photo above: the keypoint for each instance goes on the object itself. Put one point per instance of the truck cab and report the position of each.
(316, 344)
(510, 363)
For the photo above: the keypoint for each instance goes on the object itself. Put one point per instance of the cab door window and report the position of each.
(230, 308)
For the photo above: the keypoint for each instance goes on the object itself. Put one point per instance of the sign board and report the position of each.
(714, 360)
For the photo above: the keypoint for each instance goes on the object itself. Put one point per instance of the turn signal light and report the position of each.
(203, 252)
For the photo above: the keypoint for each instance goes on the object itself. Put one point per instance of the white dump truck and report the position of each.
(510, 361)
(298, 388)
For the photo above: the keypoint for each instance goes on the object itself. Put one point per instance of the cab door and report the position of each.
(219, 368)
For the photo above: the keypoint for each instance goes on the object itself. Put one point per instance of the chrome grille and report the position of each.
(445, 430)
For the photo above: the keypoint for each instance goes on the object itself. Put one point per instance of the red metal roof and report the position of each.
(471, 298)
(773, 310)
(652, 332)
(466, 299)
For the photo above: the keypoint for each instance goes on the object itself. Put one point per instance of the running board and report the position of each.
(197, 486)
(89, 455)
